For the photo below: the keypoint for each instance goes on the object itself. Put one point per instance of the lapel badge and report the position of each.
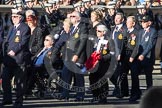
(133, 42)
(18, 32)
(17, 39)
(49, 54)
(104, 52)
(147, 38)
(120, 36)
(134, 37)
(76, 35)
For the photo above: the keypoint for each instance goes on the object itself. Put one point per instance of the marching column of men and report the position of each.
(91, 47)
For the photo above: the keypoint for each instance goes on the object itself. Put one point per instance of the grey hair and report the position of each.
(132, 17)
(51, 36)
(121, 14)
(78, 14)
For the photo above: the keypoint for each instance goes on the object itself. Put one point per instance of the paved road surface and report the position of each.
(50, 102)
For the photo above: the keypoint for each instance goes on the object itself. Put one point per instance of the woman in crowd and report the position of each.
(63, 34)
(35, 43)
(96, 17)
(102, 50)
(37, 35)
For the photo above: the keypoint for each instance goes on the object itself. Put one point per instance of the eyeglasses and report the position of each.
(31, 18)
(14, 16)
(99, 31)
(72, 16)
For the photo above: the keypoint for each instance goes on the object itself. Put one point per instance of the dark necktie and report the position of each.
(116, 28)
(115, 32)
(143, 35)
(71, 30)
(12, 32)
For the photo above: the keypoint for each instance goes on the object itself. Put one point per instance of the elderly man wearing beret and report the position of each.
(15, 59)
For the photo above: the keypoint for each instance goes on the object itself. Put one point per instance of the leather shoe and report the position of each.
(134, 98)
(18, 105)
(79, 99)
(94, 99)
(120, 95)
(61, 97)
(102, 101)
(6, 103)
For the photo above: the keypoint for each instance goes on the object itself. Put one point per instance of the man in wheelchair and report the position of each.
(45, 63)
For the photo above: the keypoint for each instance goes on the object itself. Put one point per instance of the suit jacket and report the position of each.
(18, 42)
(51, 55)
(106, 50)
(76, 44)
(36, 40)
(91, 39)
(60, 42)
(147, 43)
(1, 41)
(118, 39)
(131, 43)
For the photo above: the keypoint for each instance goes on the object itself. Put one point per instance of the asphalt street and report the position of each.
(49, 101)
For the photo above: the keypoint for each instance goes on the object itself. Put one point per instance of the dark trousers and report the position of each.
(40, 75)
(118, 70)
(120, 80)
(79, 82)
(30, 83)
(20, 79)
(98, 83)
(115, 77)
(147, 67)
(134, 68)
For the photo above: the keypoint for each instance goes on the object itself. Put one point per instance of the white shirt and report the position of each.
(117, 28)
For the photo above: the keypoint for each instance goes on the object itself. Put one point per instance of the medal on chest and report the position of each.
(120, 36)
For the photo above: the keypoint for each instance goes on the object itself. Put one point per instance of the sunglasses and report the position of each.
(31, 18)
(72, 16)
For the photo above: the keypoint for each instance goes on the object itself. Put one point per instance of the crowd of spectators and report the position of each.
(93, 2)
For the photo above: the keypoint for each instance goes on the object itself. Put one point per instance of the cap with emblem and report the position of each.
(56, 1)
(29, 0)
(47, 4)
(17, 5)
(18, 1)
(102, 28)
(146, 18)
(111, 4)
(16, 12)
(29, 12)
(53, 1)
(78, 4)
(86, 1)
(141, 6)
(147, 0)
